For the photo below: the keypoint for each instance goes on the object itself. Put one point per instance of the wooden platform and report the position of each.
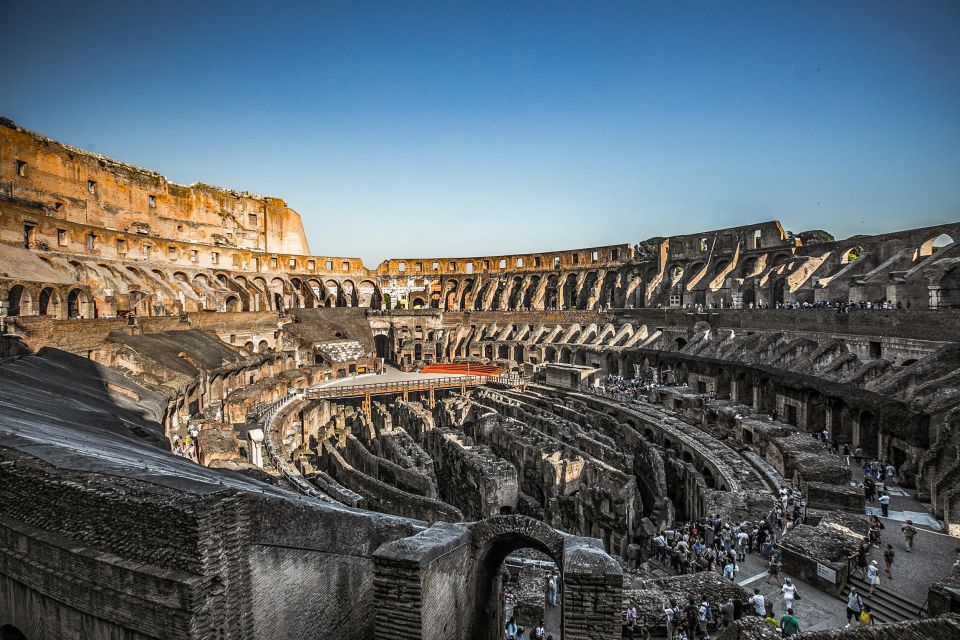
(461, 369)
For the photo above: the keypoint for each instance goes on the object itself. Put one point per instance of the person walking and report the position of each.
(846, 453)
(866, 616)
(884, 501)
(773, 568)
(789, 625)
(858, 455)
(704, 616)
(854, 606)
(672, 614)
(873, 577)
(909, 533)
(890, 471)
(888, 557)
(552, 589)
(511, 631)
(789, 593)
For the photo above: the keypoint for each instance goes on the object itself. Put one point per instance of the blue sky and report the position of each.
(407, 129)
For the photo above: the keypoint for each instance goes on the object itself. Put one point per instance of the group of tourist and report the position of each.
(623, 389)
(185, 447)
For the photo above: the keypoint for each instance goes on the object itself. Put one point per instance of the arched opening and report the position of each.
(263, 347)
(779, 289)
(518, 354)
(503, 352)
(418, 351)
(613, 364)
(867, 433)
(708, 478)
(382, 344)
(851, 254)
(909, 362)
(49, 303)
(566, 356)
(76, 299)
(749, 297)
(570, 291)
(950, 289)
(550, 355)
(417, 303)
(15, 299)
(499, 571)
(680, 343)
(10, 632)
(580, 357)
(933, 245)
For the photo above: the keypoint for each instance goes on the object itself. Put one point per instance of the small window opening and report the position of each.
(401, 267)
(91, 187)
(21, 168)
(152, 203)
(252, 219)
(62, 237)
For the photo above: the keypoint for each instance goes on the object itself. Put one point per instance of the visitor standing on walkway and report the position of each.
(888, 557)
(846, 453)
(758, 602)
(909, 533)
(552, 589)
(891, 472)
(884, 501)
(858, 455)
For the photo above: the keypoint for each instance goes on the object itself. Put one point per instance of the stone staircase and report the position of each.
(886, 605)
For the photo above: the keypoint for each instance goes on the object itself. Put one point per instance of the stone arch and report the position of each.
(516, 293)
(566, 356)
(493, 540)
(613, 364)
(232, 304)
(417, 303)
(569, 296)
(779, 290)
(680, 343)
(10, 632)
(49, 302)
(369, 295)
(932, 245)
(349, 290)
(263, 347)
(531, 291)
(77, 301)
(950, 289)
(332, 293)
(16, 300)
(465, 293)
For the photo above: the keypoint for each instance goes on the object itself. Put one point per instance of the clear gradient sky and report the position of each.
(406, 129)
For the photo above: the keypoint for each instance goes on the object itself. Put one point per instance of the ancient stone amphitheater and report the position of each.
(206, 431)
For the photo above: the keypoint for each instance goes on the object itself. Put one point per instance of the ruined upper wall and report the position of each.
(90, 189)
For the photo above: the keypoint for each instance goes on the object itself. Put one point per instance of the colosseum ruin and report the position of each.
(208, 431)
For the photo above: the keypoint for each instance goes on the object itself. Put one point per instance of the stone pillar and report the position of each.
(592, 594)
(934, 292)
